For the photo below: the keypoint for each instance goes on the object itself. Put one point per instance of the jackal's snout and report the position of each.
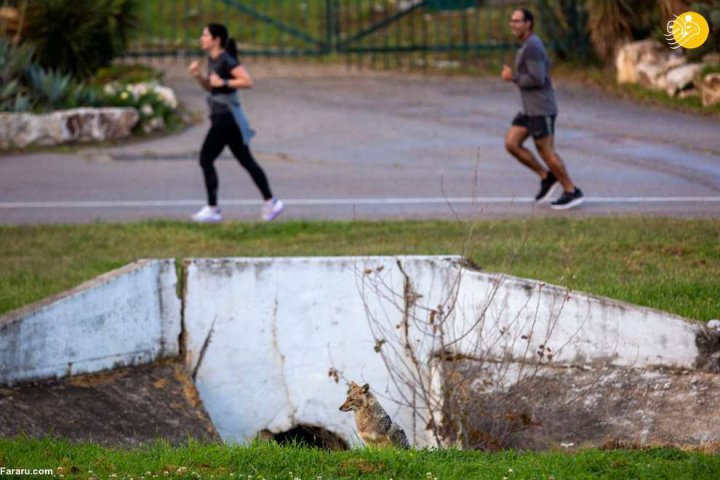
(356, 396)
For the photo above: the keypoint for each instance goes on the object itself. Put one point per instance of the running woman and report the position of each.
(229, 126)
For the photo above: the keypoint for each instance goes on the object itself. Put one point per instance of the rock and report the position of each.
(710, 89)
(650, 75)
(654, 75)
(645, 62)
(714, 324)
(681, 77)
(19, 130)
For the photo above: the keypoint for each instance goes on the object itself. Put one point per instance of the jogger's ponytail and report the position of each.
(231, 48)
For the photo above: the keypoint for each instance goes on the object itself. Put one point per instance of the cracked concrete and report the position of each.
(268, 339)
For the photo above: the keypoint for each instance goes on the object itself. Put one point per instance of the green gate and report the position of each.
(416, 32)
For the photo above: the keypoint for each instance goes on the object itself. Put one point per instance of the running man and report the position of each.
(532, 76)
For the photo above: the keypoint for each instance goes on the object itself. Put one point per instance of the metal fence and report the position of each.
(412, 32)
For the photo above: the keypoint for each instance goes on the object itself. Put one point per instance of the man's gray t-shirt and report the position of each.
(532, 76)
(222, 66)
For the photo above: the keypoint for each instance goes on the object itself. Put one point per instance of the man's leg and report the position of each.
(514, 140)
(546, 148)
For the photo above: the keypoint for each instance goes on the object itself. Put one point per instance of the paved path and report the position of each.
(347, 144)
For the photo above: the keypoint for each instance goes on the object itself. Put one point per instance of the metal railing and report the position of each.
(413, 32)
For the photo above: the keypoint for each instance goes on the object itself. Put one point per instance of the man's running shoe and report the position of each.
(547, 187)
(568, 200)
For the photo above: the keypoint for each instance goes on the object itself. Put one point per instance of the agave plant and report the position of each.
(25, 86)
(52, 88)
(15, 61)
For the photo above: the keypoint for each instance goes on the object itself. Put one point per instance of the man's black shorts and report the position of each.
(538, 127)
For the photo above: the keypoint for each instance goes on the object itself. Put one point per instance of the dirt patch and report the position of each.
(128, 407)
(708, 343)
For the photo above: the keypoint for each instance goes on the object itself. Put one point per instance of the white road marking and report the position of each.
(341, 202)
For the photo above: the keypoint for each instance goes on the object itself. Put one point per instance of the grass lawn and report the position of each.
(270, 461)
(669, 264)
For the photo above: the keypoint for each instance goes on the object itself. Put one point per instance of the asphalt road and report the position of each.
(350, 144)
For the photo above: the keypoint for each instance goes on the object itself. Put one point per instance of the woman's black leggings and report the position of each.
(224, 131)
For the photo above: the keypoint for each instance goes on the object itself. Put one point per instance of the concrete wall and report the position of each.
(518, 316)
(273, 328)
(273, 342)
(128, 316)
(263, 333)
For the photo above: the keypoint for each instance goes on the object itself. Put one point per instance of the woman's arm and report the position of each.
(194, 70)
(241, 78)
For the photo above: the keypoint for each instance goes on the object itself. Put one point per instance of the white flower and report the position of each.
(110, 89)
(166, 95)
(140, 89)
(157, 123)
(147, 109)
(124, 95)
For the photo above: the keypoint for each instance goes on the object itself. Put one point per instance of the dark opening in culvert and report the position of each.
(311, 436)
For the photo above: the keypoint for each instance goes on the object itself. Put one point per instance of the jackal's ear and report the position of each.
(366, 387)
(353, 385)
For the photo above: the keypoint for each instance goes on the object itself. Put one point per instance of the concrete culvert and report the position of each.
(307, 436)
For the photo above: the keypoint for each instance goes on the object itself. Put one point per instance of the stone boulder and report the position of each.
(710, 89)
(679, 78)
(20, 130)
(646, 62)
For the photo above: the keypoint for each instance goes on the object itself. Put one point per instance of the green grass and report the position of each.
(708, 69)
(270, 461)
(669, 264)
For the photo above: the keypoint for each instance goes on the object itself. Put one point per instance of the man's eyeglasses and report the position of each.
(515, 20)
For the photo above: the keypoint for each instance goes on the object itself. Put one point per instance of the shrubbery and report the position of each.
(156, 104)
(79, 36)
(25, 86)
(28, 87)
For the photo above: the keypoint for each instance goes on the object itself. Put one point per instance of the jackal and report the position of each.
(374, 424)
